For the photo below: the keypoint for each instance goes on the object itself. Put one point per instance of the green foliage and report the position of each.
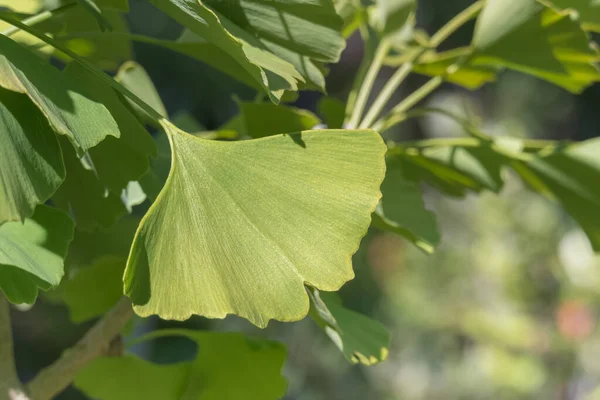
(361, 339)
(32, 253)
(257, 185)
(259, 216)
(227, 366)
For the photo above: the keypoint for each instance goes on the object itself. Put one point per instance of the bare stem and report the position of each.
(96, 342)
(10, 385)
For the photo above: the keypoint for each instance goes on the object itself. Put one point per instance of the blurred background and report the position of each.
(507, 306)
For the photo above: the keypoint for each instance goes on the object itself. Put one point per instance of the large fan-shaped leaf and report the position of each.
(227, 366)
(32, 253)
(31, 166)
(65, 103)
(528, 37)
(277, 41)
(361, 339)
(240, 227)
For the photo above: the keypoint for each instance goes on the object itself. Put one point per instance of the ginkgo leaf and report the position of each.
(565, 175)
(84, 196)
(31, 166)
(240, 227)
(586, 11)
(32, 253)
(526, 36)
(276, 42)
(65, 104)
(227, 366)
(266, 119)
(135, 78)
(360, 338)
(403, 212)
(116, 161)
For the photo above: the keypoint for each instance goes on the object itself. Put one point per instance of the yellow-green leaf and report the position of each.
(240, 227)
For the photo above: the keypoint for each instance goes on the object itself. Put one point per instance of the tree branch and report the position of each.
(10, 385)
(96, 342)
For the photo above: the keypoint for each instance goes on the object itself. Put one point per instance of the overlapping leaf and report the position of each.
(403, 212)
(227, 366)
(33, 252)
(587, 11)
(276, 42)
(526, 36)
(31, 167)
(360, 338)
(240, 227)
(266, 119)
(66, 104)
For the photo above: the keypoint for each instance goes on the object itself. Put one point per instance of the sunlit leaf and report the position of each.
(277, 42)
(33, 252)
(403, 212)
(360, 338)
(227, 366)
(526, 36)
(135, 78)
(587, 11)
(31, 166)
(240, 226)
(266, 119)
(66, 104)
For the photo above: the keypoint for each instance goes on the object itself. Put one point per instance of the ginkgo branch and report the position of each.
(96, 342)
(10, 385)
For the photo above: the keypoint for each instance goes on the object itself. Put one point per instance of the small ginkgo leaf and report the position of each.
(360, 338)
(32, 253)
(135, 78)
(65, 104)
(31, 166)
(267, 119)
(240, 227)
(586, 11)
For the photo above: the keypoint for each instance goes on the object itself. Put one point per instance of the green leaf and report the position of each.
(95, 289)
(116, 161)
(525, 36)
(266, 119)
(390, 16)
(154, 180)
(79, 32)
(568, 175)
(360, 338)
(240, 226)
(135, 78)
(276, 55)
(66, 104)
(586, 11)
(470, 76)
(333, 112)
(227, 366)
(33, 252)
(403, 212)
(84, 196)
(31, 166)
(119, 5)
(92, 8)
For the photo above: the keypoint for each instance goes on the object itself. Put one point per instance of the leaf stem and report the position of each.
(38, 18)
(388, 90)
(382, 51)
(10, 385)
(455, 23)
(152, 114)
(528, 144)
(96, 342)
(397, 112)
